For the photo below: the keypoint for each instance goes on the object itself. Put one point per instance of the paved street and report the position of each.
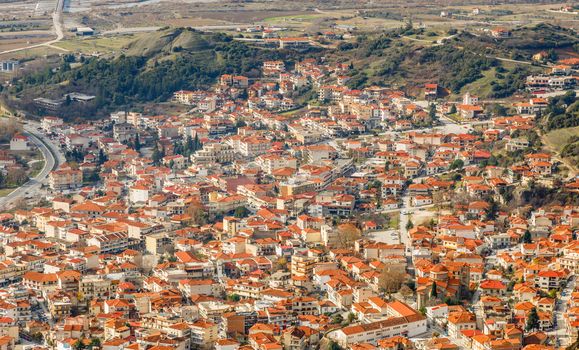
(406, 210)
(560, 331)
(52, 158)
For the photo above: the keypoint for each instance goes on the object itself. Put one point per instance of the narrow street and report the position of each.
(560, 332)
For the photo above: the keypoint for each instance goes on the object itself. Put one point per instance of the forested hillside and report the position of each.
(151, 69)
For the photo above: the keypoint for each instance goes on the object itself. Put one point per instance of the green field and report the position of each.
(481, 87)
(557, 139)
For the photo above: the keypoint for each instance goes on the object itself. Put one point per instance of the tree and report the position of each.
(16, 177)
(79, 345)
(157, 155)
(93, 176)
(456, 164)
(334, 346)
(337, 319)
(434, 291)
(8, 128)
(347, 234)
(451, 301)
(409, 224)
(197, 213)
(197, 145)
(137, 142)
(532, 320)
(493, 210)
(406, 291)
(527, 238)
(234, 297)
(102, 158)
(390, 281)
(453, 109)
(241, 212)
(432, 112)
(281, 263)
(241, 124)
(189, 145)
(95, 343)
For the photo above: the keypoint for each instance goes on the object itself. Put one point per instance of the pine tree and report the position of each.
(157, 155)
(178, 148)
(196, 143)
(432, 112)
(532, 320)
(102, 158)
(493, 210)
(527, 238)
(434, 292)
(137, 143)
(189, 145)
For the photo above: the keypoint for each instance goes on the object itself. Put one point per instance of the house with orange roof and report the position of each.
(459, 322)
(409, 325)
(469, 112)
(139, 193)
(300, 338)
(65, 178)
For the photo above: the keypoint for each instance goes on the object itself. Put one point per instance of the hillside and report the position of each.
(165, 42)
(466, 62)
(150, 69)
(523, 42)
(393, 60)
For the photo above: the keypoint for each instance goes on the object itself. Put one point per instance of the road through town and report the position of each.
(52, 159)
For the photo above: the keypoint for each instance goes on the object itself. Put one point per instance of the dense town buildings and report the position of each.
(367, 220)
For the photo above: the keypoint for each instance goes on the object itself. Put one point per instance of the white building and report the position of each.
(19, 143)
(49, 123)
(403, 321)
(139, 194)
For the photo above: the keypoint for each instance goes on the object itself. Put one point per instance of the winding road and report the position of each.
(52, 159)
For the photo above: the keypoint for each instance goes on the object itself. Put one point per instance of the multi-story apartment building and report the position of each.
(213, 153)
(203, 334)
(65, 178)
(110, 242)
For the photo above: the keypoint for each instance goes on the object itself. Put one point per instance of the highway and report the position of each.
(57, 28)
(52, 159)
